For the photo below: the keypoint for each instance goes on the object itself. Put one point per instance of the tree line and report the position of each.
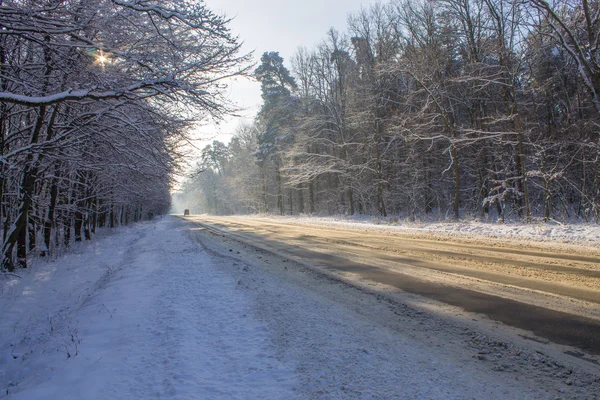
(96, 97)
(440, 109)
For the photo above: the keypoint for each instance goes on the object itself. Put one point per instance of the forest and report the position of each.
(96, 99)
(445, 109)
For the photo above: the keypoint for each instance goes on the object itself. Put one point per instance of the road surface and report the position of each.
(185, 309)
(172, 309)
(550, 291)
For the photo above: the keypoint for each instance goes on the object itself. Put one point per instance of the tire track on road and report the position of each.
(556, 326)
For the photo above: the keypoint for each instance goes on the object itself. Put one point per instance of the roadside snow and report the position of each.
(143, 314)
(578, 233)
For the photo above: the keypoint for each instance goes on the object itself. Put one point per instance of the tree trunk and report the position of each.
(111, 219)
(31, 232)
(49, 222)
(596, 192)
(522, 186)
(547, 198)
(18, 232)
(291, 201)
(87, 231)
(67, 228)
(279, 191)
(379, 168)
(456, 170)
(265, 190)
(350, 196)
(580, 208)
(300, 199)
(311, 196)
(78, 222)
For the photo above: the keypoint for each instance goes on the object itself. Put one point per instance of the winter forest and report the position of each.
(96, 99)
(439, 109)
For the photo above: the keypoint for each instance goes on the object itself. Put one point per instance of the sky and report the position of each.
(273, 25)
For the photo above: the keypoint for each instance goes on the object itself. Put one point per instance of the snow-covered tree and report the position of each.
(95, 97)
(435, 109)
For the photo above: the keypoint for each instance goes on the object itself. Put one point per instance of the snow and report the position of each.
(146, 313)
(575, 233)
(164, 310)
(68, 94)
(71, 94)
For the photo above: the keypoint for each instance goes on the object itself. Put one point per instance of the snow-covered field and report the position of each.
(165, 310)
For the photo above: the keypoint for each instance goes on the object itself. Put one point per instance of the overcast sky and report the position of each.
(275, 25)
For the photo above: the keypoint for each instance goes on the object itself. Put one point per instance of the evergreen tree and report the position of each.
(274, 116)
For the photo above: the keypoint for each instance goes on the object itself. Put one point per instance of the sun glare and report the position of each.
(101, 58)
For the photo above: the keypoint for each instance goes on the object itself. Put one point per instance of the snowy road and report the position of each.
(167, 309)
(552, 291)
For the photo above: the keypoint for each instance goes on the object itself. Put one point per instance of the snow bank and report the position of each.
(584, 234)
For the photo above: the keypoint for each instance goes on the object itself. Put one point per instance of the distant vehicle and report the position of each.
(186, 212)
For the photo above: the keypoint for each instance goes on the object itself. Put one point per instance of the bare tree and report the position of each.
(99, 87)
